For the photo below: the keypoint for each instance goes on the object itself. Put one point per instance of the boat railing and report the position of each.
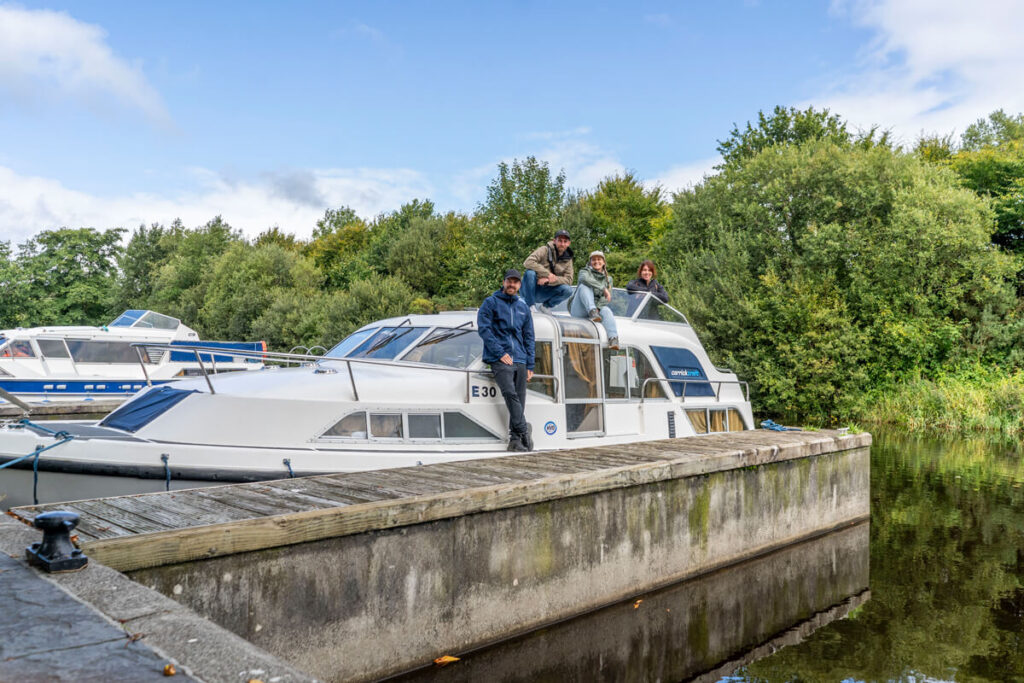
(716, 384)
(291, 358)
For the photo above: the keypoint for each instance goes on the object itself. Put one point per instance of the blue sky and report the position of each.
(117, 113)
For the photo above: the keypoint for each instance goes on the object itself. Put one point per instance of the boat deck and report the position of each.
(133, 532)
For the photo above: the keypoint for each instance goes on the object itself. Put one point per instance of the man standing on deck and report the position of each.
(505, 325)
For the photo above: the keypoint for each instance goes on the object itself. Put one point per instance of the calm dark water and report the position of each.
(931, 590)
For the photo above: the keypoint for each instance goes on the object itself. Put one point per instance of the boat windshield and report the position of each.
(145, 319)
(626, 305)
(450, 346)
(387, 342)
(350, 342)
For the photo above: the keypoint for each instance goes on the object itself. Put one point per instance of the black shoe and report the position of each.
(517, 446)
(527, 437)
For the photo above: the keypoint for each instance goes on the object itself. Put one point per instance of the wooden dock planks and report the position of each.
(132, 532)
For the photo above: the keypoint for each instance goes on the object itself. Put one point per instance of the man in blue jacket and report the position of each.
(505, 325)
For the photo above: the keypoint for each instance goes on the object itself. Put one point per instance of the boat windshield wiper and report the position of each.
(445, 335)
(387, 338)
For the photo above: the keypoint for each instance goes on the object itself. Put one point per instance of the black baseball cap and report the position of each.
(562, 233)
(513, 274)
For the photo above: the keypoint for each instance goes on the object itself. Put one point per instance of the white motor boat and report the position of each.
(397, 392)
(80, 364)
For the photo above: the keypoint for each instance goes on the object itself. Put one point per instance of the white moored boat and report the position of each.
(75, 364)
(398, 392)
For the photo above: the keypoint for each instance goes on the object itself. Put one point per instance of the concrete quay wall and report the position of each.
(382, 601)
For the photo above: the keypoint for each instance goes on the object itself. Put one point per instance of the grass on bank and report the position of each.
(977, 400)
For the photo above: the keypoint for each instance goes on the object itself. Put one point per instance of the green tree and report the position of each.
(182, 278)
(245, 280)
(364, 302)
(283, 239)
(14, 300)
(997, 173)
(521, 212)
(69, 275)
(790, 127)
(147, 250)
(338, 242)
(998, 129)
(818, 269)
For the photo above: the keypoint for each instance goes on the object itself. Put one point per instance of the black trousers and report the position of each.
(511, 380)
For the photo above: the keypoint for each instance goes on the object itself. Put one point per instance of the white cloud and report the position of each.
(294, 201)
(684, 176)
(45, 53)
(933, 66)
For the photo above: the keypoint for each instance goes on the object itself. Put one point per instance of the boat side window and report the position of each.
(579, 363)
(618, 373)
(544, 366)
(710, 420)
(352, 426)
(424, 426)
(458, 426)
(84, 351)
(386, 425)
(52, 348)
(644, 371)
(654, 309)
(682, 365)
(387, 343)
(18, 348)
(342, 348)
(454, 348)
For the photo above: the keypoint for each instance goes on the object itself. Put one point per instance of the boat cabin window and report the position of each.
(17, 348)
(386, 425)
(446, 426)
(425, 426)
(388, 342)
(577, 328)
(453, 347)
(543, 381)
(52, 348)
(682, 366)
(625, 372)
(126, 319)
(654, 309)
(710, 420)
(352, 426)
(584, 413)
(342, 348)
(85, 351)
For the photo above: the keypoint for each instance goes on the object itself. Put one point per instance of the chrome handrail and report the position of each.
(276, 356)
(684, 382)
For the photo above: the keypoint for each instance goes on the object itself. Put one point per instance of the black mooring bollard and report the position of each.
(56, 553)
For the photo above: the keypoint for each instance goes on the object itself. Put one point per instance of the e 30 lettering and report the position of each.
(484, 392)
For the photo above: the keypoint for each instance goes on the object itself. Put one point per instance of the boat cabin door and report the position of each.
(581, 378)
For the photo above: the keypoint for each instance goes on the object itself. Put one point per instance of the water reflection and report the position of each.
(947, 570)
(706, 627)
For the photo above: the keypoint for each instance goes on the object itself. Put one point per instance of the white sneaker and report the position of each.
(541, 308)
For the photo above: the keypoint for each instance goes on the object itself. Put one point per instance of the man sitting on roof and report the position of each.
(548, 277)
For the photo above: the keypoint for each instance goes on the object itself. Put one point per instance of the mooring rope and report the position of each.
(35, 462)
(288, 463)
(166, 458)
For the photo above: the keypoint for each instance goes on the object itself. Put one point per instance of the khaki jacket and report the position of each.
(545, 261)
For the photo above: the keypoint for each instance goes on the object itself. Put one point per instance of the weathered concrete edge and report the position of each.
(165, 625)
(258, 533)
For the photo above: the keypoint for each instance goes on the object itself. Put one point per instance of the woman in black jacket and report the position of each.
(645, 282)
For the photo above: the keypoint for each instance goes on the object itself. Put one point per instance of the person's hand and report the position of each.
(608, 294)
(506, 359)
(544, 280)
(529, 375)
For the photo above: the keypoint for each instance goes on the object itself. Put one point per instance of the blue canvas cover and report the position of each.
(138, 413)
(682, 364)
(190, 357)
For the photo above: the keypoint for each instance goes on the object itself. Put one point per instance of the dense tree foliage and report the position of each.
(820, 263)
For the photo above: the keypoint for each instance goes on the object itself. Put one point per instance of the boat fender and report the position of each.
(166, 459)
(288, 463)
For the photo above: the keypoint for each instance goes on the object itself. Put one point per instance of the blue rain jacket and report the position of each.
(506, 326)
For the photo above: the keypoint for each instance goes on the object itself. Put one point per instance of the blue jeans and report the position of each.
(584, 301)
(548, 295)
